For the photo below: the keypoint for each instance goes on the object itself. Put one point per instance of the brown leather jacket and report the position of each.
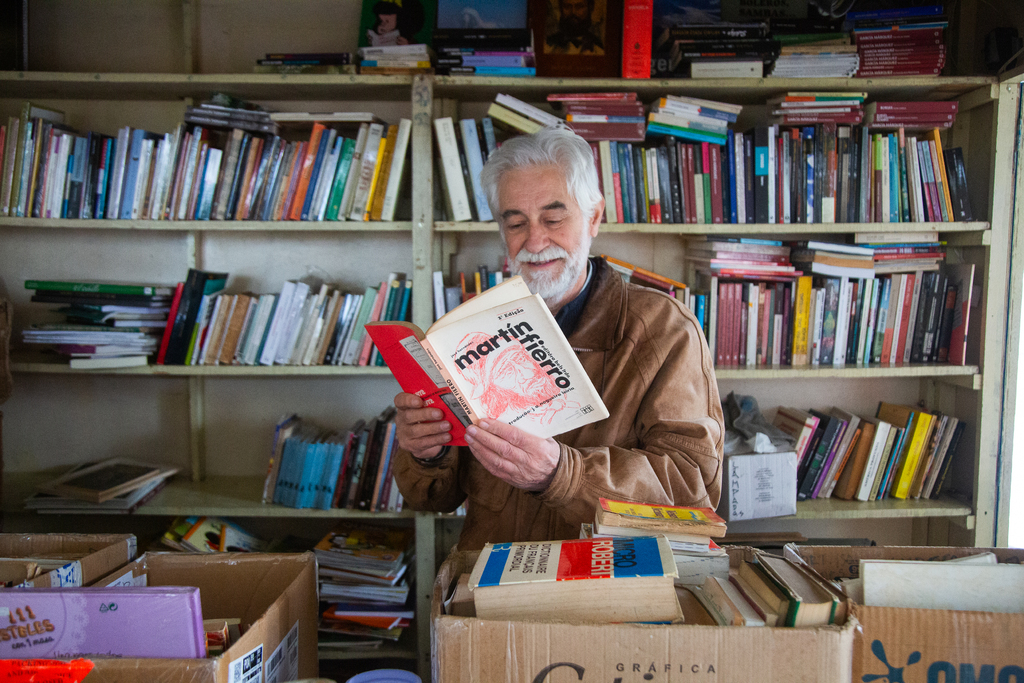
(662, 444)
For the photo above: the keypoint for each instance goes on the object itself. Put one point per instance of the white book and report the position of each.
(912, 188)
(261, 317)
(896, 312)
(190, 161)
(289, 331)
(325, 180)
(279, 319)
(347, 351)
(366, 168)
(142, 177)
(842, 322)
(773, 132)
(819, 319)
(347, 304)
(397, 174)
(872, 313)
(117, 177)
(106, 362)
(475, 161)
(352, 181)
(55, 192)
(912, 319)
(604, 150)
(165, 152)
(310, 323)
(698, 195)
(885, 179)
(529, 111)
(865, 175)
(943, 585)
(864, 315)
(752, 318)
(867, 479)
(451, 169)
(201, 354)
(318, 345)
(741, 179)
(439, 307)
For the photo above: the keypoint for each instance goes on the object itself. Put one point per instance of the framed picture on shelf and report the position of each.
(396, 22)
(577, 38)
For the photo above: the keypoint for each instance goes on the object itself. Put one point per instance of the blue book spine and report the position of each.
(199, 196)
(131, 170)
(729, 182)
(685, 133)
(709, 113)
(70, 171)
(699, 304)
(102, 178)
(331, 472)
(309, 481)
(403, 310)
(514, 61)
(627, 204)
(471, 142)
(318, 164)
(505, 70)
(894, 181)
(282, 472)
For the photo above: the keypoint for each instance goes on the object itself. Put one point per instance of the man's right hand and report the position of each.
(419, 428)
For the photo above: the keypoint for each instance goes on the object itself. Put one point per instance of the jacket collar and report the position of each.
(602, 323)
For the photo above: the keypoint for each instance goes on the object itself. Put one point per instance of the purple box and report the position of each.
(156, 621)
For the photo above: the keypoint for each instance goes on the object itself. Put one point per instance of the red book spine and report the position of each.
(637, 23)
(908, 298)
(595, 132)
(166, 338)
(917, 107)
(605, 108)
(716, 184)
(683, 189)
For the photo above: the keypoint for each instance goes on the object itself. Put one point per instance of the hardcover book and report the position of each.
(596, 580)
(106, 479)
(500, 355)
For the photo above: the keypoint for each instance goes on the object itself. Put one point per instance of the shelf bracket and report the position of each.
(976, 98)
(971, 382)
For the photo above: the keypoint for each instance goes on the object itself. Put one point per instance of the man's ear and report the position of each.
(595, 218)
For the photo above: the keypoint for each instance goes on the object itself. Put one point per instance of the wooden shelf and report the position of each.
(208, 226)
(836, 508)
(49, 364)
(223, 496)
(811, 372)
(403, 648)
(735, 90)
(780, 231)
(142, 86)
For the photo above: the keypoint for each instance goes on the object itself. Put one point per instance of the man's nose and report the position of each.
(537, 240)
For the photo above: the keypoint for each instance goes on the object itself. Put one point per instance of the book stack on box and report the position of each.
(112, 486)
(364, 585)
(902, 41)
(106, 324)
(315, 468)
(722, 50)
(901, 452)
(396, 59)
(809, 108)
(305, 63)
(602, 115)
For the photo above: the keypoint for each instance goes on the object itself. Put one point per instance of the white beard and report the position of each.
(553, 287)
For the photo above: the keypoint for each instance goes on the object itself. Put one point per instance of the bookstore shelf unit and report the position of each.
(194, 403)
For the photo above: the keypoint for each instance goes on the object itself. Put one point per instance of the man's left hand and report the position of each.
(525, 461)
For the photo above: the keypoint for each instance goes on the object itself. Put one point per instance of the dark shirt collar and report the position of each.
(569, 316)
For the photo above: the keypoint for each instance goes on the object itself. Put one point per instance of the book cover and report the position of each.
(660, 518)
(500, 356)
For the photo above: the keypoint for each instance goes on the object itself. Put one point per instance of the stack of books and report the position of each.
(835, 58)
(903, 41)
(112, 486)
(901, 452)
(722, 50)
(396, 59)
(906, 252)
(470, 60)
(911, 115)
(742, 258)
(305, 63)
(225, 111)
(603, 115)
(315, 468)
(691, 532)
(834, 259)
(690, 118)
(364, 585)
(809, 108)
(202, 534)
(485, 40)
(106, 324)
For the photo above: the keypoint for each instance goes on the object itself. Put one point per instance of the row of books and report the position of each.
(413, 58)
(203, 172)
(208, 534)
(901, 452)
(306, 323)
(312, 467)
(364, 585)
(306, 63)
(915, 317)
(902, 41)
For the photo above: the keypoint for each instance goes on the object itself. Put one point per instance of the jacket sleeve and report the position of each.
(672, 452)
(430, 488)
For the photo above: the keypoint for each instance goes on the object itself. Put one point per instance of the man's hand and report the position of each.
(525, 461)
(419, 428)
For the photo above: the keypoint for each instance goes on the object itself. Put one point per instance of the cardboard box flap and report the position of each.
(152, 670)
(89, 556)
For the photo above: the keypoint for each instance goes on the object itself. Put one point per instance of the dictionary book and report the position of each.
(594, 580)
(498, 356)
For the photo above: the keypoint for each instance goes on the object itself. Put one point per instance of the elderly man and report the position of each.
(642, 349)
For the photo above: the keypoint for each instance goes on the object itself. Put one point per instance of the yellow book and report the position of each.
(376, 174)
(381, 182)
(934, 135)
(512, 119)
(802, 311)
(919, 439)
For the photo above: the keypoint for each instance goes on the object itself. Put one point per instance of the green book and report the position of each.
(338, 190)
(99, 287)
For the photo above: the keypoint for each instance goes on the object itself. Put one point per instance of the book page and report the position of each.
(504, 293)
(512, 363)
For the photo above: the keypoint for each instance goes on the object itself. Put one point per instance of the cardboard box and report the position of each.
(470, 649)
(902, 644)
(90, 556)
(758, 485)
(274, 596)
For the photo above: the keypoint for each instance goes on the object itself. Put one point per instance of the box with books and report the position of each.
(471, 648)
(277, 623)
(55, 560)
(928, 609)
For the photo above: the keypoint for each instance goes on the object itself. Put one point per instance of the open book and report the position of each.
(500, 355)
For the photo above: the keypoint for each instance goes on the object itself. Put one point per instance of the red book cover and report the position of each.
(617, 185)
(896, 34)
(917, 107)
(791, 120)
(902, 50)
(766, 300)
(595, 132)
(637, 22)
(908, 299)
(716, 183)
(741, 338)
(166, 338)
(592, 96)
(681, 171)
(899, 72)
(602, 108)
(885, 117)
(691, 198)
